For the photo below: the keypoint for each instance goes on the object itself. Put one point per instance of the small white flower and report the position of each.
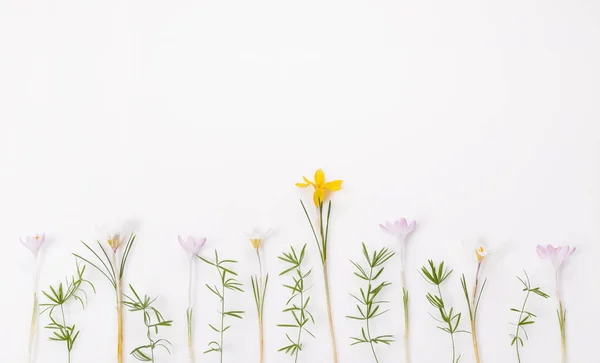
(33, 243)
(257, 236)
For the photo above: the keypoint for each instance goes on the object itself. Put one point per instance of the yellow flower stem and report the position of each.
(474, 315)
(331, 329)
(118, 292)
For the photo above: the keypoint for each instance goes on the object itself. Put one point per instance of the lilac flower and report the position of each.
(400, 228)
(191, 245)
(33, 243)
(557, 255)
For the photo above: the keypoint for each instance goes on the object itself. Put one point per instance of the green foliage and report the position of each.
(259, 290)
(226, 283)
(448, 318)
(297, 304)
(473, 304)
(368, 304)
(323, 229)
(153, 320)
(57, 297)
(525, 317)
(112, 271)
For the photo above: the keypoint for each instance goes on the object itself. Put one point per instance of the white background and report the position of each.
(479, 119)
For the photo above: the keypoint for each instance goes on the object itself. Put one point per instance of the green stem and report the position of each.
(190, 313)
(449, 328)
(405, 301)
(371, 342)
(64, 323)
(518, 326)
(148, 334)
(260, 305)
(367, 320)
(222, 312)
(302, 316)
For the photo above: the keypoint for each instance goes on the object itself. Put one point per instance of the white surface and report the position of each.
(477, 118)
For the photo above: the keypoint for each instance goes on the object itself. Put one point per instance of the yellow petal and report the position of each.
(302, 185)
(319, 178)
(309, 182)
(319, 196)
(333, 185)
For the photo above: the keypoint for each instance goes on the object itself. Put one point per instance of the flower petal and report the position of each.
(541, 251)
(333, 185)
(319, 178)
(302, 185)
(309, 182)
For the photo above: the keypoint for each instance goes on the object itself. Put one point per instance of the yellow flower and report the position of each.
(114, 241)
(256, 237)
(481, 252)
(321, 188)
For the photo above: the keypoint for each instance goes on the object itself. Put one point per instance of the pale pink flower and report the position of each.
(400, 228)
(33, 243)
(557, 255)
(191, 245)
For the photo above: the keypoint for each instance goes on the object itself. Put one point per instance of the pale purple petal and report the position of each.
(562, 253)
(412, 226)
(572, 251)
(541, 251)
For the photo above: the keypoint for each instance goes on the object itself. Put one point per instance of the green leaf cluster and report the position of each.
(297, 304)
(323, 229)
(448, 317)
(112, 272)
(153, 320)
(526, 317)
(369, 304)
(57, 297)
(227, 283)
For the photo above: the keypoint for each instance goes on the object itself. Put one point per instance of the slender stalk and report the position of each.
(474, 315)
(222, 313)
(367, 320)
(119, 298)
(327, 297)
(260, 311)
(302, 317)
(322, 246)
(518, 326)
(34, 312)
(190, 313)
(371, 342)
(562, 318)
(64, 322)
(324, 231)
(405, 302)
(33, 327)
(451, 331)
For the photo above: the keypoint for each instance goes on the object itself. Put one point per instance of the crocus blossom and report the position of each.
(191, 245)
(257, 236)
(400, 228)
(33, 243)
(481, 252)
(557, 255)
(114, 241)
(321, 187)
